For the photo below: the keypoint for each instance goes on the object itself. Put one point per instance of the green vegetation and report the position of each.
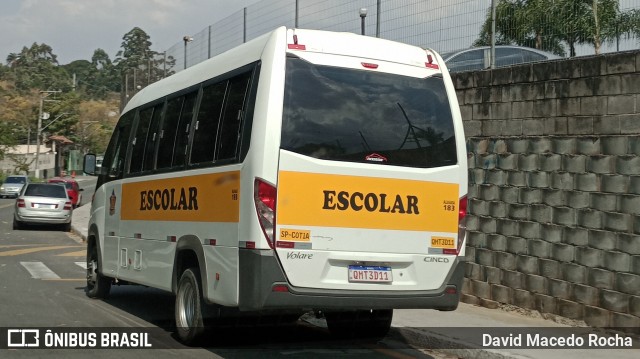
(551, 24)
(82, 99)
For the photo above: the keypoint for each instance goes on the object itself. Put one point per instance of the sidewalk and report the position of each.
(80, 221)
(461, 331)
(458, 331)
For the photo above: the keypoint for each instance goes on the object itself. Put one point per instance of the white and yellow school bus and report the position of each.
(303, 170)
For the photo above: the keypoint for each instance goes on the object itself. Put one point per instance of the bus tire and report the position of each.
(188, 311)
(373, 324)
(98, 286)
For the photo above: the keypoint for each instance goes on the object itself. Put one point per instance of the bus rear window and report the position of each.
(352, 115)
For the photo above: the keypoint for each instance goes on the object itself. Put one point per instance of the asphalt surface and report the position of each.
(461, 332)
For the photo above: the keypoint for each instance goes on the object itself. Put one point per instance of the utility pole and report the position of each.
(493, 35)
(43, 95)
(164, 64)
(209, 44)
(28, 139)
(378, 9)
(363, 15)
(187, 39)
(244, 26)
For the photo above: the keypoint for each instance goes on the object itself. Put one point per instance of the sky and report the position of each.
(75, 28)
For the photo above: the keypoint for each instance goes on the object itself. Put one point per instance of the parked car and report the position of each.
(73, 189)
(12, 185)
(479, 58)
(43, 203)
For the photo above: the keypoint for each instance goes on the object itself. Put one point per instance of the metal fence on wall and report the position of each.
(444, 25)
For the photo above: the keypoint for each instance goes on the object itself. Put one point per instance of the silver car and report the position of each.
(12, 186)
(43, 203)
(479, 58)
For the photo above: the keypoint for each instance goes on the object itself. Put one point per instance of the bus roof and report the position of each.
(350, 44)
(298, 40)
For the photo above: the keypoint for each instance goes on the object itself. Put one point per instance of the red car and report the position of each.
(73, 190)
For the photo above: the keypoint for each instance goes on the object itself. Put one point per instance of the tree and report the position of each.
(137, 58)
(98, 119)
(575, 25)
(594, 22)
(17, 116)
(37, 67)
(138, 65)
(7, 139)
(628, 24)
(107, 79)
(548, 24)
(615, 23)
(21, 163)
(602, 22)
(523, 23)
(63, 115)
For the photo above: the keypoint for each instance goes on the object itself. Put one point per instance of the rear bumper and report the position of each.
(62, 219)
(261, 272)
(9, 193)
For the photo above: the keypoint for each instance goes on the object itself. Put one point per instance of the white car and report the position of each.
(12, 186)
(43, 203)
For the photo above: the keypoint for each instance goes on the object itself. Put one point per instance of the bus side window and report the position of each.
(168, 132)
(116, 152)
(152, 139)
(206, 125)
(182, 129)
(233, 112)
(138, 143)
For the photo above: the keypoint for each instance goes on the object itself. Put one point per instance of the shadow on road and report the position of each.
(251, 336)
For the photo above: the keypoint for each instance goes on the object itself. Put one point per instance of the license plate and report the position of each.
(44, 206)
(370, 274)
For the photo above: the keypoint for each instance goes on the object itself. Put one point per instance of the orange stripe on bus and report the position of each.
(310, 199)
(202, 198)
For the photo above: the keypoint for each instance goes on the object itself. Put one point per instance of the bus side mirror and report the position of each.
(89, 164)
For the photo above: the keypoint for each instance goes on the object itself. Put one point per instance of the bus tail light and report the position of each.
(462, 221)
(280, 288)
(264, 196)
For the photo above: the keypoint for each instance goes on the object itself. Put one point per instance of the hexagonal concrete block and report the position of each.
(615, 301)
(586, 294)
(597, 317)
(601, 278)
(575, 273)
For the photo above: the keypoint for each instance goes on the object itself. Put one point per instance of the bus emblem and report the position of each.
(374, 157)
(112, 203)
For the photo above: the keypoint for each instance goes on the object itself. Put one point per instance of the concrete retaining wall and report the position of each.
(554, 187)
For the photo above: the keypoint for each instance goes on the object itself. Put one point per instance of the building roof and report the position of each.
(63, 140)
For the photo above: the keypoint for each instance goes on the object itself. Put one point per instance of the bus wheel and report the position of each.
(360, 324)
(188, 312)
(98, 286)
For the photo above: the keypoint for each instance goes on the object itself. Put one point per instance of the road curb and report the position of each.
(79, 221)
(426, 339)
(77, 232)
